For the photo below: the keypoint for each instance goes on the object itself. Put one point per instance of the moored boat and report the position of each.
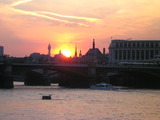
(46, 97)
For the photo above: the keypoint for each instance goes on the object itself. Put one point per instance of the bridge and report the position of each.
(79, 74)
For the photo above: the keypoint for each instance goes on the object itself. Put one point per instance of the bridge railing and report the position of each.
(142, 65)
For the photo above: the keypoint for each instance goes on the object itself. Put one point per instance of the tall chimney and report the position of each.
(104, 51)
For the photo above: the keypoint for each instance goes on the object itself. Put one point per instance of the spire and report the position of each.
(80, 53)
(75, 51)
(93, 43)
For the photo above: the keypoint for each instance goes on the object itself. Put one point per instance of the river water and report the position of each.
(25, 103)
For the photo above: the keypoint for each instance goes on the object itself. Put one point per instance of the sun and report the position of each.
(66, 52)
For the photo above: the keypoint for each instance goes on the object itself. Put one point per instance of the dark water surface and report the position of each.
(25, 103)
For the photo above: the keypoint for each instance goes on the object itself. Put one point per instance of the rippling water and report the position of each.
(25, 103)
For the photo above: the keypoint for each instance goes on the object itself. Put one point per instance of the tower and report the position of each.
(49, 52)
(93, 43)
(75, 55)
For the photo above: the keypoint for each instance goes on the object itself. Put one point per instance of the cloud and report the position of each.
(19, 2)
(72, 17)
(44, 16)
(73, 20)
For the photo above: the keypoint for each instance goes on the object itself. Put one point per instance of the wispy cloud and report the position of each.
(47, 15)
(19, 2)
(73, 17)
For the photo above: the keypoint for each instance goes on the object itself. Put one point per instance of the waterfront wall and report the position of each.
(135, 80)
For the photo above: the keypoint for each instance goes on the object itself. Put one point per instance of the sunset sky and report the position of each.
(28, 26)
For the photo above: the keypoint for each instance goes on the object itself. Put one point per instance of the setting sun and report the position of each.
(66, 52)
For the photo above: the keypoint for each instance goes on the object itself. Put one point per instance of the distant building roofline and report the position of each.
(118, 40)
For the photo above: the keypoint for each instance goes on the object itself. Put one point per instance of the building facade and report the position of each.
(1, 51)
(133, 50)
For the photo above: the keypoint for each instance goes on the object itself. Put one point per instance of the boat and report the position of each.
(46, 97)
(102, 86)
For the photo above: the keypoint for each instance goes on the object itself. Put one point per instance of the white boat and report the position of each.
(102, 86)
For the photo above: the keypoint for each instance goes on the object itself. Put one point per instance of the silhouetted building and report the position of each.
(37, 58)
(1, 51)
(94, 55)
(60, 58)
(34, 58)
(133, 50)
(40, 58)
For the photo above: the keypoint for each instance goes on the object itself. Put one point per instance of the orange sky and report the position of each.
(28, 26)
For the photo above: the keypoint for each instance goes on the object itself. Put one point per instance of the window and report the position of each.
(142, 44)
(133, 54)
(134, 45)
(151, 54)
(129, 54)
(125, 44)
(156, 44)
(124, 54)
(116, 54)
(129, 44)
(147, 54)
(152, 44)
(147, 44)
(137, 55)
(116, 45)
(138, 44)
(120, 54)
(121, 45)
(142, 55)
